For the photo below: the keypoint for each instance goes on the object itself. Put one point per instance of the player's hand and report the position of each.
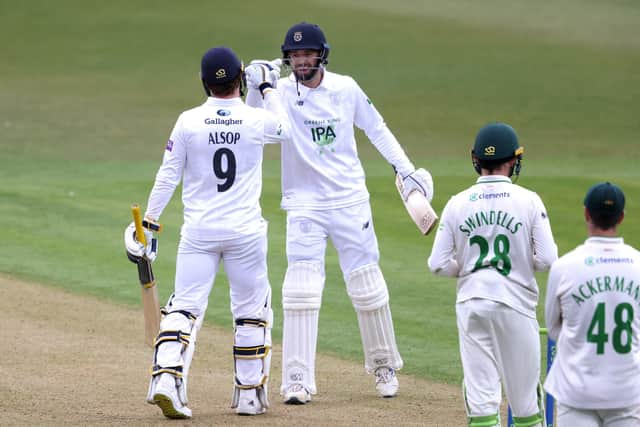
(418, 180)
(135, 249)
(273, 65)
(262, 74)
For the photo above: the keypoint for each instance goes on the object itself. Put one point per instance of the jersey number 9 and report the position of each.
(224, 166)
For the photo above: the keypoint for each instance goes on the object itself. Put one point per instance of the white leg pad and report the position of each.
(252, 354)
(368, 292)
(174, 349)
(301, 300)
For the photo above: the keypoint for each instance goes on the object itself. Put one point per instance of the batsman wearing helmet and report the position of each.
(492, 237)
(216, 149)
(592, 306)
(325, 196)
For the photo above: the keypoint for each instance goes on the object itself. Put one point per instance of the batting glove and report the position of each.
(262, 75)
(135, 249)
(418, 180)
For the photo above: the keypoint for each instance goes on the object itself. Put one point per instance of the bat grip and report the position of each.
(137, 220)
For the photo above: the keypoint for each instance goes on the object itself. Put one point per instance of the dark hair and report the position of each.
(605, 221)
(492, 165)
(226, 89)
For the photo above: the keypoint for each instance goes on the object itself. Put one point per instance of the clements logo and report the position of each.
(590, 260)
(219, 121)
(487, 196)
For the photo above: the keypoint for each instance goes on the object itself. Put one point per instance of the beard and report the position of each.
(306, 72)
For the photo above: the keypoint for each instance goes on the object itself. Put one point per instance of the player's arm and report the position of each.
(260, 71)
(262, 77)
(371, 122)
(552, 306)
(545, 250)
(442, 260)
(169, 174)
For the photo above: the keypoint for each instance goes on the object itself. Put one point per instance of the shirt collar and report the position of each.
(493, 178)
(226, 102)
(601, 240)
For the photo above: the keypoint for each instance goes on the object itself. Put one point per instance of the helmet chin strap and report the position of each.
(515, 170)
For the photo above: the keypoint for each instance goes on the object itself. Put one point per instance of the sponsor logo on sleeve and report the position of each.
(169, 146)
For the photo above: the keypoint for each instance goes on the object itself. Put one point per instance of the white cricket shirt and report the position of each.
(592, 309)
(493, 236)
(321, 168)
(216, 149)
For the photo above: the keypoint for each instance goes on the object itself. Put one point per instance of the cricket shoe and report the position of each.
(296, 394)
(386, 382)
(249, 404)
(166, 397)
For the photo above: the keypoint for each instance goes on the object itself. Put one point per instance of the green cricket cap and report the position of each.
(605, 199)
(497, 141)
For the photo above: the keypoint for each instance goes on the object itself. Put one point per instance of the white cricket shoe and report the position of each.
(297, 394)
(386, 382)
(249, 404)
(166, 397)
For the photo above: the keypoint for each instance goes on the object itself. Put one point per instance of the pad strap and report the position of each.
(254, 352)
(173, 370)
(527, 421)
(180, 336)
(257, 352)
(486, 421)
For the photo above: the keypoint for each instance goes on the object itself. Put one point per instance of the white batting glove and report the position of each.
(135, 249)
(273, 65)
(418, 180)
(262, 75)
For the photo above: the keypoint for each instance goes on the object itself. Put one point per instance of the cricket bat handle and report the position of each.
(137, 220)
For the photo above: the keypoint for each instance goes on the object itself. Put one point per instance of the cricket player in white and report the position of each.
(325, 196)
(216, 149)
(492, 237)
(592, 309)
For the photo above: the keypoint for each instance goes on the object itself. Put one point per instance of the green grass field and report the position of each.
(89, 92)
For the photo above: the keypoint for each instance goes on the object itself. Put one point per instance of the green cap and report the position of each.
(496, 141)
(605, 199)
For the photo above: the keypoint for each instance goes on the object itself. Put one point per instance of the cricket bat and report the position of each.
(150, 303)
(419, 209)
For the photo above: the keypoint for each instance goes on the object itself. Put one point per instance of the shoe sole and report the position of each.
(295, 401)
(166, 405)
(247, 414)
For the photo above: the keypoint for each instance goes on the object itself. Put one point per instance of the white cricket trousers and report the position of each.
(498, 343)
(245, 263)
(623, 417)
(350, 230)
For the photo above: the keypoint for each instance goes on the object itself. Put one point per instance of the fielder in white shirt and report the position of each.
(216, 149)
(325, 196)
(593, 311)
(492, 237)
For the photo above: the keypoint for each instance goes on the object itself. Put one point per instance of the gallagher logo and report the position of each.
(223, 113)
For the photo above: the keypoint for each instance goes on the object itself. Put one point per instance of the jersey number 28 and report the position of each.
(500, 261)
